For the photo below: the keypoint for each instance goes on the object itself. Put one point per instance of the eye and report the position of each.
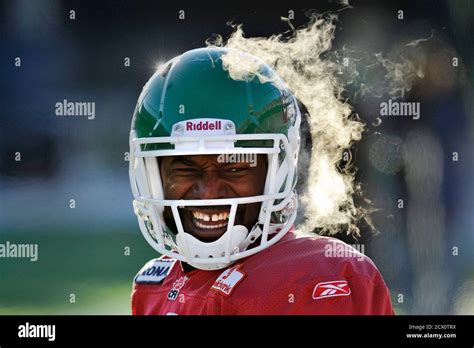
(237, 170)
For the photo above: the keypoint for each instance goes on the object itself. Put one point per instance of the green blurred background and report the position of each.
(92, 265)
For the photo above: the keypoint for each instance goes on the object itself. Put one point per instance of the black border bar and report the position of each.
(223, 330)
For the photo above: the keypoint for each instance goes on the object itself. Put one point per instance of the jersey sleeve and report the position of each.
(371, 296)
(146, 289)
(135, 303)
(365, 296)
(355, 288)
(356, 294)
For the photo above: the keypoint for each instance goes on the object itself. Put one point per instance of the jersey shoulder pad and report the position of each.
(154, 271)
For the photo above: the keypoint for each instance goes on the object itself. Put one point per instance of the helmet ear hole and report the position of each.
(149, 225)
(290, 206)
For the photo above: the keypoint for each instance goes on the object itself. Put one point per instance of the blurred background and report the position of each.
(70, 192)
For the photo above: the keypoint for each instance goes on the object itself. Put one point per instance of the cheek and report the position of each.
(175, 189)
(249, 190)
(252, 186)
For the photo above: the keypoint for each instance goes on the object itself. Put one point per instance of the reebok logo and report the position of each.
(331, 289)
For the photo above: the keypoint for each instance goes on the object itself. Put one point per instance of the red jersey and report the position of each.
(297, 275)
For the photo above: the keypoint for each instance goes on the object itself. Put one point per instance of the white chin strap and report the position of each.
(193, 249)
(240, 241)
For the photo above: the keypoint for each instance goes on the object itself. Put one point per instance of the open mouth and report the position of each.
(207, 223)
(210, 220)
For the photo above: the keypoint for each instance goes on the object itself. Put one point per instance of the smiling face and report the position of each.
(205, 177)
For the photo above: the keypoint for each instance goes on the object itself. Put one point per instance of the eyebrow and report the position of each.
(183, 160)
(186, 160)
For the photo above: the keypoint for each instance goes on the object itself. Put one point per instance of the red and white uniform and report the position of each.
(297, 275)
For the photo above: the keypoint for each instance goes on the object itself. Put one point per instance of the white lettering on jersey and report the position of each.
(228, 280)
(154, 271)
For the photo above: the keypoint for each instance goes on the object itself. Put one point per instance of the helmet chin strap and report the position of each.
(192, 248)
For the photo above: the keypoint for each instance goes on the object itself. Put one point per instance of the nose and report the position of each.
(210, 186)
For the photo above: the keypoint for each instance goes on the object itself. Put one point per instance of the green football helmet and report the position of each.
(192, 105)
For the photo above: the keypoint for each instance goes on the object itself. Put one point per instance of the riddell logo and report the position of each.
(203, 125)
(331, 289)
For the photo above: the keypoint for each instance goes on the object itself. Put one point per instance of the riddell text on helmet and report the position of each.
(203, 125)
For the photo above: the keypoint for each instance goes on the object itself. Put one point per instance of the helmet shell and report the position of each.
(197, 85)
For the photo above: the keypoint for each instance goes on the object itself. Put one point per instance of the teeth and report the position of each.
(200, 225)
(214, 217)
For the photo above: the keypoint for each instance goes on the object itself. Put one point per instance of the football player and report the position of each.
(213, 162)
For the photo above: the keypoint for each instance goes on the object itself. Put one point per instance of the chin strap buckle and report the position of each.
(251, 237)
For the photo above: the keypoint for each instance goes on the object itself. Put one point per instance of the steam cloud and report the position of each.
(378, 75)
(328, 198)
(318, 77)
